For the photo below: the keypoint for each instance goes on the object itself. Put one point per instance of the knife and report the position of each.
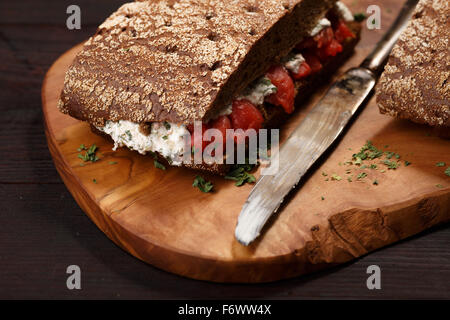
(316, 133)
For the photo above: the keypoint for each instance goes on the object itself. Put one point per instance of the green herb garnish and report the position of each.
(368, 151)
(440, 164)
(362, 175)
(167, 125)
(447, 171)
(130, 136)
(158, 165)
(336, 177)
(89, 155)
(407, 163)
(81, 148)
(94, 181)
(202, 184)
(359, 16)
(240, 174)
(112, 162)
(391, 164)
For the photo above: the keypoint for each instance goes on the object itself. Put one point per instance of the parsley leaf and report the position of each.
(368, 151)
(89, 155)
(440, 164)
(447, 171)
(362, 175)
(336, 177)
(240, 174)
(391, 164)
(359, 17)
(158, 165)
(202, 184)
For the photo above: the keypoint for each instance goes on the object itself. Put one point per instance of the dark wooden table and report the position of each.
(43, 231)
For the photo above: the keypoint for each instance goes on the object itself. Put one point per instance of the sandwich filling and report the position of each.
(275, 88)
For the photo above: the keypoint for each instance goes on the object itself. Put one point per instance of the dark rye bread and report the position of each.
(415, 84)
(182, 60)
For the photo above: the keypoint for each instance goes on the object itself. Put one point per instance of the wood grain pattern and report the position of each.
(158, 217)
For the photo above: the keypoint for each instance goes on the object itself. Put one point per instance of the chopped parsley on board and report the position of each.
(241, 174)
(364, 160)
(336, 177)
(203, 185)
(89, 155)
(391, 164)
(158, 165)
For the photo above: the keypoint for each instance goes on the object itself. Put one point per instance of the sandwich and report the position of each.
(154, 68)
(415, 84)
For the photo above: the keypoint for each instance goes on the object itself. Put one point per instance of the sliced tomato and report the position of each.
(222, 123)
(245, 115)
(285, 94)
(303, 71)
(343, 32)
(313, 62)
(197, 141)
(331, 50)
(324, 37)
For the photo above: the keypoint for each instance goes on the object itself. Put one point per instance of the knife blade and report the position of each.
(316, 133)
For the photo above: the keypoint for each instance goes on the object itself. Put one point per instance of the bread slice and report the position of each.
(415, 84)
(180, 61)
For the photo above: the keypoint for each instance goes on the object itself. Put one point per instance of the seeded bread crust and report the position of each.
(415, 84)
(180, 61)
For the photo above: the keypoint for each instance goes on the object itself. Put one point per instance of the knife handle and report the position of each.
(376, 60)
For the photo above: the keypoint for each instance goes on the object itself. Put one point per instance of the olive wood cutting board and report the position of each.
(158, 216)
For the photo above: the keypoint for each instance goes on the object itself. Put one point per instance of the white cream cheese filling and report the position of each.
(322, 24)
(165, 138)
(343, 11)
(293, 61)
(258, 90)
